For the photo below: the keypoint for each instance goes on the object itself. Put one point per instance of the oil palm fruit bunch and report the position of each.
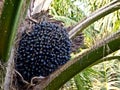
(43, 50)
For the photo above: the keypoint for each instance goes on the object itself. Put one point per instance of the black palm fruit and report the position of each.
(42, 50)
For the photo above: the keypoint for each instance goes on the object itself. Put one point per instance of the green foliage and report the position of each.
(109, 79)
(67, 9)
(83, 80)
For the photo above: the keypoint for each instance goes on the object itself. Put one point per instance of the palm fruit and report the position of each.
(43, 50)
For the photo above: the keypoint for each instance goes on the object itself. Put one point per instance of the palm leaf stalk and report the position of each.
(12, 13)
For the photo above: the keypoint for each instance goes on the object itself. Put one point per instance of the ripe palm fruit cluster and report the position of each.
(42, 50)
